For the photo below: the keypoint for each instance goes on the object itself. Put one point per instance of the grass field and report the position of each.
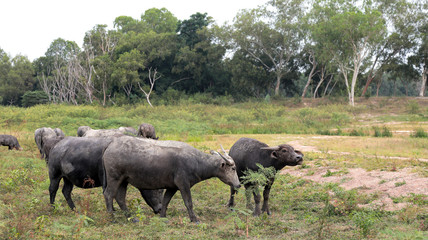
(378, 136)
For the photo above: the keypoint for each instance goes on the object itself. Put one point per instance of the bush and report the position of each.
(384, 133)
(420, 133)
(365, 220)
(413, 107)
(32, 98)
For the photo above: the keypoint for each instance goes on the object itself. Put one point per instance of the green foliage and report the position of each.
(413, 107)
(384, 133)
(398, 184)
(419, 133)
(33, 98)
(365, 221)
(258, 179)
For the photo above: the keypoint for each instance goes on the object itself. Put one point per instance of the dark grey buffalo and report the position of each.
(78, 161)
(10, 141)
(150, 164)
(147, 130)
(247, 152)
(41, 136)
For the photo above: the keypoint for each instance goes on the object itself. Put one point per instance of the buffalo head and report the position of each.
(285, 154)
(227, 171)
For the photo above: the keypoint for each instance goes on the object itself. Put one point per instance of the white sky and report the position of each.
(28, 27)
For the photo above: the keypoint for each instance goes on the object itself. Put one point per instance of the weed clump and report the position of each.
(384, 132)
(419, 133)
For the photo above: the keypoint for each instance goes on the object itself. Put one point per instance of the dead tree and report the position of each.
(152, 79)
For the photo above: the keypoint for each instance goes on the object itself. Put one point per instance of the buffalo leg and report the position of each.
(266, 192)
(187, 198)
(231, 202)
(121, 196)
(169, 193)
(66, 191)
(110, 193)
(53, 188)
(257, 199)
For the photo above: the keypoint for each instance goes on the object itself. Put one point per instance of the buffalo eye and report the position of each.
(284, 150)
(222, 164)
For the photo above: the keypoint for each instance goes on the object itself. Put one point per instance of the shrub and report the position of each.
(32, 98)
(420, 133)
(384, 133)
(413, 107)
(365, 220)
(258, 179)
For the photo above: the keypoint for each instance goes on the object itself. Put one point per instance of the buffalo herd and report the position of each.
(114, 158)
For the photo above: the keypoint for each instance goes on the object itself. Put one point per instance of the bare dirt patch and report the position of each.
(387, 184)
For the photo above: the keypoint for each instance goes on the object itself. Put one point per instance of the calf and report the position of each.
(10, 141)
(247, 152)
(147, 130)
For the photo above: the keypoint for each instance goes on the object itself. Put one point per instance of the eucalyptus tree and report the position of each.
(349, 34)
(99, 45)
(271, 34)
(419, 59)
(402, 19)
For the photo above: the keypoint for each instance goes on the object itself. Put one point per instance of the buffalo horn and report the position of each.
(226, 156)
(276, 148)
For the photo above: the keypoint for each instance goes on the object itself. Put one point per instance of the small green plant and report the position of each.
(397, 184)
(356, 132)
(382, 181)
(413, 107)
(385, 132)
(258, 179)
(419, 133)
(237, 215)
(365, 221)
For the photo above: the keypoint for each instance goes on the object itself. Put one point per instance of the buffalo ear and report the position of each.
(273, 155)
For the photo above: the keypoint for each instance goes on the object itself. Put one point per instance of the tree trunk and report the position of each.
(278, 82)
(314, 66)
(322, 72)
(309, 80)
(424, 82)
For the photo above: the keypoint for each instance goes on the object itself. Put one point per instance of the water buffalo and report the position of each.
(85, 131)
(48, 144)
(78, 161)
(10, 141)
(150, 164)
(147, 130)
(247, 152)
(41, 135)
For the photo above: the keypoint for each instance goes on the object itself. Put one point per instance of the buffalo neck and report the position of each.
(207, 167)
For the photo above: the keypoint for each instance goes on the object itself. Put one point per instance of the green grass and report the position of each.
(301, 209)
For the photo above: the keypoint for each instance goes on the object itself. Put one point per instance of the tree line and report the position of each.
(285, 48)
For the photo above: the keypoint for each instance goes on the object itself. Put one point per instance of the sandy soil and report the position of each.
(385, 183)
